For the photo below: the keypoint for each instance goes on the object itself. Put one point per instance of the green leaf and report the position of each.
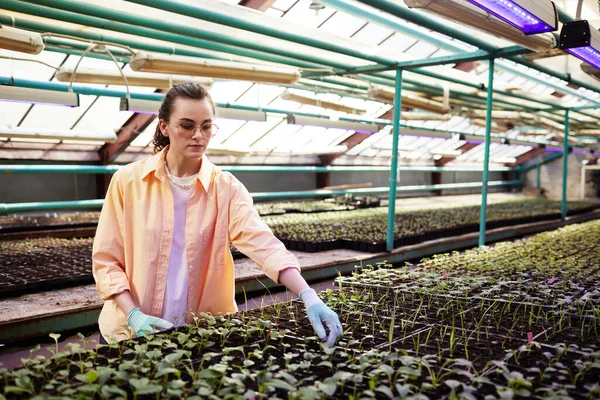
(309, 393)
(166, 371)
(288, 377)
(403, 390)
(327, 388)
(171, 358)
(92, 376)
(204, 391)
(385, 390)
(325, 364)
(452, 384)
(279, 384)
(139, 383)
(522, 392)
(109, 391)
(15, 389)
(177, 384)
(55, 336)
(150, 389)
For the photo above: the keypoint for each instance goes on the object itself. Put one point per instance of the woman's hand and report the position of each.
(318, 312)
(146, 324)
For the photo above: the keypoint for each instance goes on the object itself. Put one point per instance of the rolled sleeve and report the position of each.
(108, 256)
(253, 237)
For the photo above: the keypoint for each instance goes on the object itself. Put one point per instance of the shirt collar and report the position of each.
(156, 164)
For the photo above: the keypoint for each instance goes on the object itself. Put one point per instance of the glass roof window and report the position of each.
(301, 11)
(251, 132)
(372, 34)
(275, 137)
(145, 138)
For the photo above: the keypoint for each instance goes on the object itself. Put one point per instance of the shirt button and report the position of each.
(189, 242)
(189, 266)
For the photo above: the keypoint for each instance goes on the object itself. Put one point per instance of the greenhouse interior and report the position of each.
(299, 199)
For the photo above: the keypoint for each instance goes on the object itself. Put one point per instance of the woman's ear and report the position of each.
(162, 125)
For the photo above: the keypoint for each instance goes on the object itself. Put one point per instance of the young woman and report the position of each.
(162, 244)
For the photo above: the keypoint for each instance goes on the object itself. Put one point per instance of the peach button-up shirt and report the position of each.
(135, 231)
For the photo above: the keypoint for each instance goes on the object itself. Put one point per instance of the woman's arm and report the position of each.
(125, 302)
(291, 279)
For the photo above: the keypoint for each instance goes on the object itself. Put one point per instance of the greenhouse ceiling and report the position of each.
(334, 57)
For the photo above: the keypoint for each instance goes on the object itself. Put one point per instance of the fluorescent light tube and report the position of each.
(293, 119)
(182, 65)
(20, 40)
(462, 11)
(313, 101)
(152, 106)
(424, 132)
(481, 138)
(577, 38)
(39, 96)
(113, 77)
(387, 95)
(39, 133)
(529, 16)
(423, 116)
(246, 115)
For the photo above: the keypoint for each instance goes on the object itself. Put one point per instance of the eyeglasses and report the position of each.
(187, 129)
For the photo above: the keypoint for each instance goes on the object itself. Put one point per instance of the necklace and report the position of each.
(174, 179)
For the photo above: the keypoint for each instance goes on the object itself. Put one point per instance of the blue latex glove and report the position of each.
(146, 324)
(318, 312)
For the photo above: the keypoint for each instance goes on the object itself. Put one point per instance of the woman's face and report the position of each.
(186, 114)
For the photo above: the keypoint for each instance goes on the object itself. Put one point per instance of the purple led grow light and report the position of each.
(515, 15)
(587, 54)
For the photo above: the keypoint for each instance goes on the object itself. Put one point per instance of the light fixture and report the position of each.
(38, 96)
(532, 132)
(139, 106)
(111, 77)
(529, 16)
(39, 133)
(518, 116)
(313, 101)
(294, 119)
(590, 70)
(20, 40)
(423, 116)
(588, 132)
(462, 11)
(494, 126)
(182, 65)
(409, 100)
(236, 113)
(577, 38)
(151, 107)
(424, 133)
(481, 138)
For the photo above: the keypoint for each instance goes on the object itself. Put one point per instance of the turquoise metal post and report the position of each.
(539, 170)
(394, 168)
(486, 159)
(563, 206)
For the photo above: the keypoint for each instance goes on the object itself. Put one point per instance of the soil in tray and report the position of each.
(44, 264)
(551, 368)
(11, 223)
